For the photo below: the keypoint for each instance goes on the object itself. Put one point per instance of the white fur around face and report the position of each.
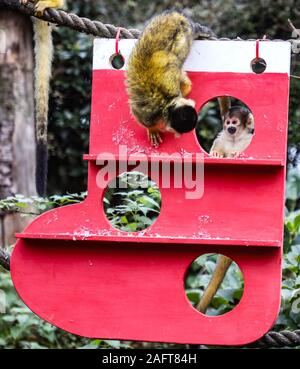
(227, 146)
(182, 102)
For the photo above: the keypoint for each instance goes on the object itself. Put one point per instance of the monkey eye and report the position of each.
(234, 122)
(227, 122)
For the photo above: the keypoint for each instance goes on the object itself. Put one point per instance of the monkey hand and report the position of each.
(40, 8)
(154, 137)
(235, 154)
(216, 154)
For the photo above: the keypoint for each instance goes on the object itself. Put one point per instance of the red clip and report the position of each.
(257, 49)
(257, 45)
(117, 40)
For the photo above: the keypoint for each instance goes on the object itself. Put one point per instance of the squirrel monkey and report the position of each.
(237, 133)
(223, 264)
(156, 83)
(43, 62)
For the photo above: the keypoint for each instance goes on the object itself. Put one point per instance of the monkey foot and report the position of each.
(235, 154)
(216, 154)
(40, 8)
(154, 138)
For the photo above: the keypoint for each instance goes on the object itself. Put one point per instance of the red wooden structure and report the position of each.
(73, 269)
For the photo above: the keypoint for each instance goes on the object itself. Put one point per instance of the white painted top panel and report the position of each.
(209, 56)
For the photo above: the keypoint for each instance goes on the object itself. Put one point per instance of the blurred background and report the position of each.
(69, 133)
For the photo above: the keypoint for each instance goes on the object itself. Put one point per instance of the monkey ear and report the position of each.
(244, 111)
(183, 119)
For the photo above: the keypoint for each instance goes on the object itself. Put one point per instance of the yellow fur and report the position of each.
(43, 63)
(42, 5)
(154, 75)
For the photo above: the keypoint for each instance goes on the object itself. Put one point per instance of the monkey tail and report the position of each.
(223, 263)
(43, 62)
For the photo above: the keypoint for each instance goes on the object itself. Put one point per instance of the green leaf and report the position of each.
(297, 223)
(124, 220)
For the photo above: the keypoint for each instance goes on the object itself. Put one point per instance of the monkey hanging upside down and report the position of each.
(156, 84)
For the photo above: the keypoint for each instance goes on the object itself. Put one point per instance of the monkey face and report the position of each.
(232, 126)
(182, 117)
(237, 121)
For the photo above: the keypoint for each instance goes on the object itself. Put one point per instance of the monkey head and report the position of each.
(237, 120)
(182, 116)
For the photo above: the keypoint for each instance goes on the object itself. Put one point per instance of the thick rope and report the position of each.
(99, 29)
(85, 25)
(278, 339)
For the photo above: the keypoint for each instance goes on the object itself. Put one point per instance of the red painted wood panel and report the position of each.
(112, 125)
(136, 292)
(77, 272)
(237, 208)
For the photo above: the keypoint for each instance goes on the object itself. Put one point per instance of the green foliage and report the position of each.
(209, 124)
(69, 112)
(20, 328)
(35, 205)
(292, 221)
(291, 229)
(133, 203)
(289, 317)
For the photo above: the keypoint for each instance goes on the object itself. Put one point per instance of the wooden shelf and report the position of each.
(207, 160)
(124, 237)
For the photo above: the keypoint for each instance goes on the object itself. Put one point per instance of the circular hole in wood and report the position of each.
(209, 294)
(258, 65)
(132, 202)
(225, 127)
(117, 61)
